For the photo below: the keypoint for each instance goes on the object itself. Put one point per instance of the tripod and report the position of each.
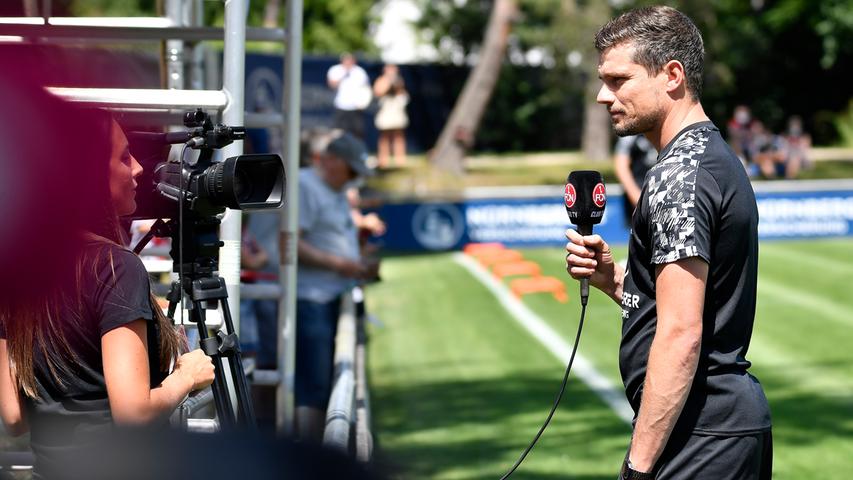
(196, 260)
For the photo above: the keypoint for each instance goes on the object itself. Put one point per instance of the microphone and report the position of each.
(585, 199)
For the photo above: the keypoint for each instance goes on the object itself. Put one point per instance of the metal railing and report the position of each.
(348, 413)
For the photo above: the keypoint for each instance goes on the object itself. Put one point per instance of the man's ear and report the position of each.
(675, 78)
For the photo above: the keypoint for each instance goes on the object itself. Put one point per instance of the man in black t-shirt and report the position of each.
(689, 291)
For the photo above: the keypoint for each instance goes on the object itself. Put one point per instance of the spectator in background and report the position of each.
(764, 151)
(740, 136)
(635, 155)
(391, 119)
(794, 147)
(330, 264)
(352, 94)
(259, 259)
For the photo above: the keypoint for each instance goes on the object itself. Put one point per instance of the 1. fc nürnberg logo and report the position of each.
(570, 195)
(599, 197)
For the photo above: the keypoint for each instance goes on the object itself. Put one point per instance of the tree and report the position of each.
(558, 31)
(595, 139)
(460, 129)
(330, 26)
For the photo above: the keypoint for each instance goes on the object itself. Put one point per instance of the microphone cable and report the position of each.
(182, 191)
(559, 394)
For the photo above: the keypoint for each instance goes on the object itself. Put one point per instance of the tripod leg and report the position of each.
(244, 401)
(210, 345)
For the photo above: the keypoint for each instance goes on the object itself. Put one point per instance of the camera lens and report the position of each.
(247, 181)
(242, 186)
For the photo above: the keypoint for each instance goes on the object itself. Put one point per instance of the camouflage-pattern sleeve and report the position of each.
(681, 197)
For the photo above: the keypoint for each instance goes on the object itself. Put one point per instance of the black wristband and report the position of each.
(628, 473)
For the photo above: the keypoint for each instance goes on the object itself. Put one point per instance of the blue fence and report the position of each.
(536, 217)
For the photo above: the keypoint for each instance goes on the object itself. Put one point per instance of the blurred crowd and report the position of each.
(767, 154)
(764, 154)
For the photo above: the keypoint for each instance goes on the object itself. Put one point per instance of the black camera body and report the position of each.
(204, 188)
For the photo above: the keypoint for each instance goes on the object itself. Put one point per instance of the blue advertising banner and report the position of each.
(538, 220)
(536, 216)
(805, 213)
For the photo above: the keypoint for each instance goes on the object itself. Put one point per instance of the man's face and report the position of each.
(632, 97)
(336, 171)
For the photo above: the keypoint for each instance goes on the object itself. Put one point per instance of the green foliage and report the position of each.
(336, 26)
(111, 8)
(531, 108)
(329, 26)
(844, 125)
(783, 58)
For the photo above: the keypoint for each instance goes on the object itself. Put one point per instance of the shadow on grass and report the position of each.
(477, 429)
(801, 418)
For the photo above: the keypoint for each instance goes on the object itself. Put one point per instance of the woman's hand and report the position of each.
(132, 400)
(197, 367)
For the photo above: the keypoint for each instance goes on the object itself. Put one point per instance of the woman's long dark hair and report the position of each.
(89, 231)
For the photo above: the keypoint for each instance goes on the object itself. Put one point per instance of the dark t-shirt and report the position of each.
(77, 412)
(641, 153)
(697, 202)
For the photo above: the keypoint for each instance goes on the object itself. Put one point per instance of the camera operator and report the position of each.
(330, 264)
(94, 350)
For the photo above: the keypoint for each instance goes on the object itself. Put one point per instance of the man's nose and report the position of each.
(605, 96)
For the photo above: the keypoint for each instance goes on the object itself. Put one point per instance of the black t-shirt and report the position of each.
(697, 202)
(77, 412)
(641, 153)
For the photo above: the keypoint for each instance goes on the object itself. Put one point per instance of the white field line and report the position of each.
(830, 309)
(611, 395)
(799, 259)
(819, 381)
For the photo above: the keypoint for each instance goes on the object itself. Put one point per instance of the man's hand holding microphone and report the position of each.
(588, 257)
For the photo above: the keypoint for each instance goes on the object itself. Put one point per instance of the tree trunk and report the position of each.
(461, 128)
(595, 138)
(271, 9)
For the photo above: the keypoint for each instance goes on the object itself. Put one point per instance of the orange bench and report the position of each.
(495, 257)
(543, 284)
(475, 248)
(525, 267)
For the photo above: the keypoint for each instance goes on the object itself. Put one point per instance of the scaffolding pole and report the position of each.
(289, 224)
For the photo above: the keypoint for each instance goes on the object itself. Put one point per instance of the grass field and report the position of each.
(459, 388)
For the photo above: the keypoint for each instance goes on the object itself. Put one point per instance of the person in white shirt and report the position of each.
(353, 94)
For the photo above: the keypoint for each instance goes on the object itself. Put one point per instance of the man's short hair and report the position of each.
(659, 34)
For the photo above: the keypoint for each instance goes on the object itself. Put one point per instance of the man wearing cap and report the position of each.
(329, 265)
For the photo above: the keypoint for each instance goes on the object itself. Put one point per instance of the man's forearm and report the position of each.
(673, 359)
(314, 257)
